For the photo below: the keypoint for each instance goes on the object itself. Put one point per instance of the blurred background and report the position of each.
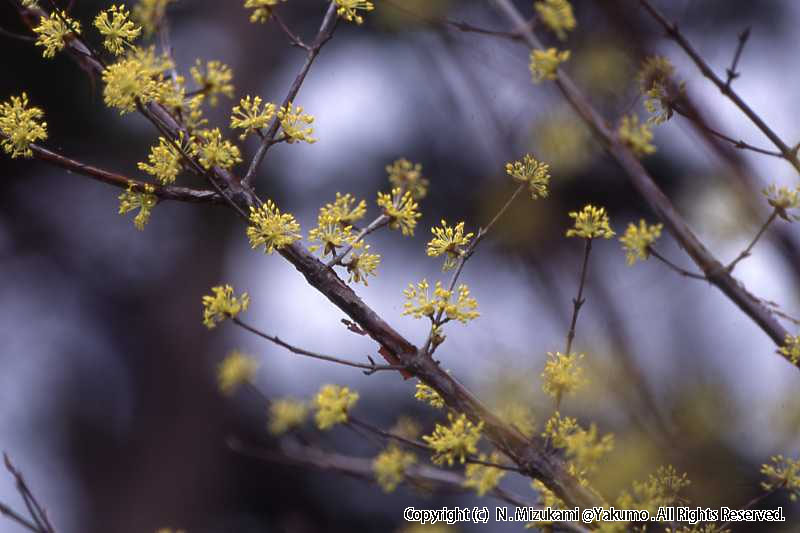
(108, 399)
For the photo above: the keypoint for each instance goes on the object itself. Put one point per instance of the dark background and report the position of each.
(107, 391)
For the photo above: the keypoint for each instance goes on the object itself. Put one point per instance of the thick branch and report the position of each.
(714, 271)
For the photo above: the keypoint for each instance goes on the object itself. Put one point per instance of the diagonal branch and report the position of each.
(163, 192)
(714, 271)
(672, 31)
(324, 34)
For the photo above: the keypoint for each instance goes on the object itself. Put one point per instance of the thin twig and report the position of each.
(731, 71)
(293, 38)
(14, 516)
(324, 34)
(739, 144)
(577, 302)
(790, 154)
(746, 252)
(37, 512)
(673, 266)
(755, 501)
(370, 368)
(375, 225)
(20, 37)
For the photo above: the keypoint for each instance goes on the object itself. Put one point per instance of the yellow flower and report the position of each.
(139, 77)
(165, 161)
(590, 223)
(150, 13)
(484, 478)
(295, 124)
(454, 442)
(449, 241)
(636, 136)
(117, 30)
(214, 151)
(544, 63)
(419, 302)
(535, 173)
(214, 79)
(223, 305)
(427, 394)
(332, 404)
(236, 370)
(262, 9)
(791, 349)
(390, 467)
(408, 176)
(557, 15)
(286, 414)
(361, 263)
(249, 117)
(20, 126)
(655, 71)
(330, 235)
(343, 210)
(401, 208)
(562, 375)
(270, 227)
(782, 199)
(782, 473)
(637, 240)
(584, 448)
(143, 201)
(53, 32)
(348, 9)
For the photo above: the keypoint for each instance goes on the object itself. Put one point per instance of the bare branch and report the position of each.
(324, 34)
(370, 368)
(731, 71)
(714, 271)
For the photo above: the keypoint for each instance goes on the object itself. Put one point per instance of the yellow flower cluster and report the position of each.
(408, 177)
(449, 241)
(401, 208)
(562, 374)
(214, 151)
(270, 227)
(582, 447)
(591, 223)
(556, 15)
(262, 9)
(344, 209)
(348, 9)
(361, 263)
(223, 305)
(419, 302)
(636, 136)
(235, 370)
(53, 32)
(659, 490)
(214, 79)
(136, 78)
(456, 441)
(117, 28)
(783, 198)
(782, 473)
(544, 63)
(425, 393)
(286, 414)
(637, 240)
(484, 478)
(164, 162)
(390, 467)
(332, 403)
(791, 348)
(295, 124)
(655, 82)
(20, 126)
(150, 13)
(330, 234)
(144, 201)
(250, 116)
(535, 173)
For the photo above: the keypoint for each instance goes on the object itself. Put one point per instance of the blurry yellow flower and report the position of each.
(332, 403)
(637, 240)
(544, 63)
(236, 370)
